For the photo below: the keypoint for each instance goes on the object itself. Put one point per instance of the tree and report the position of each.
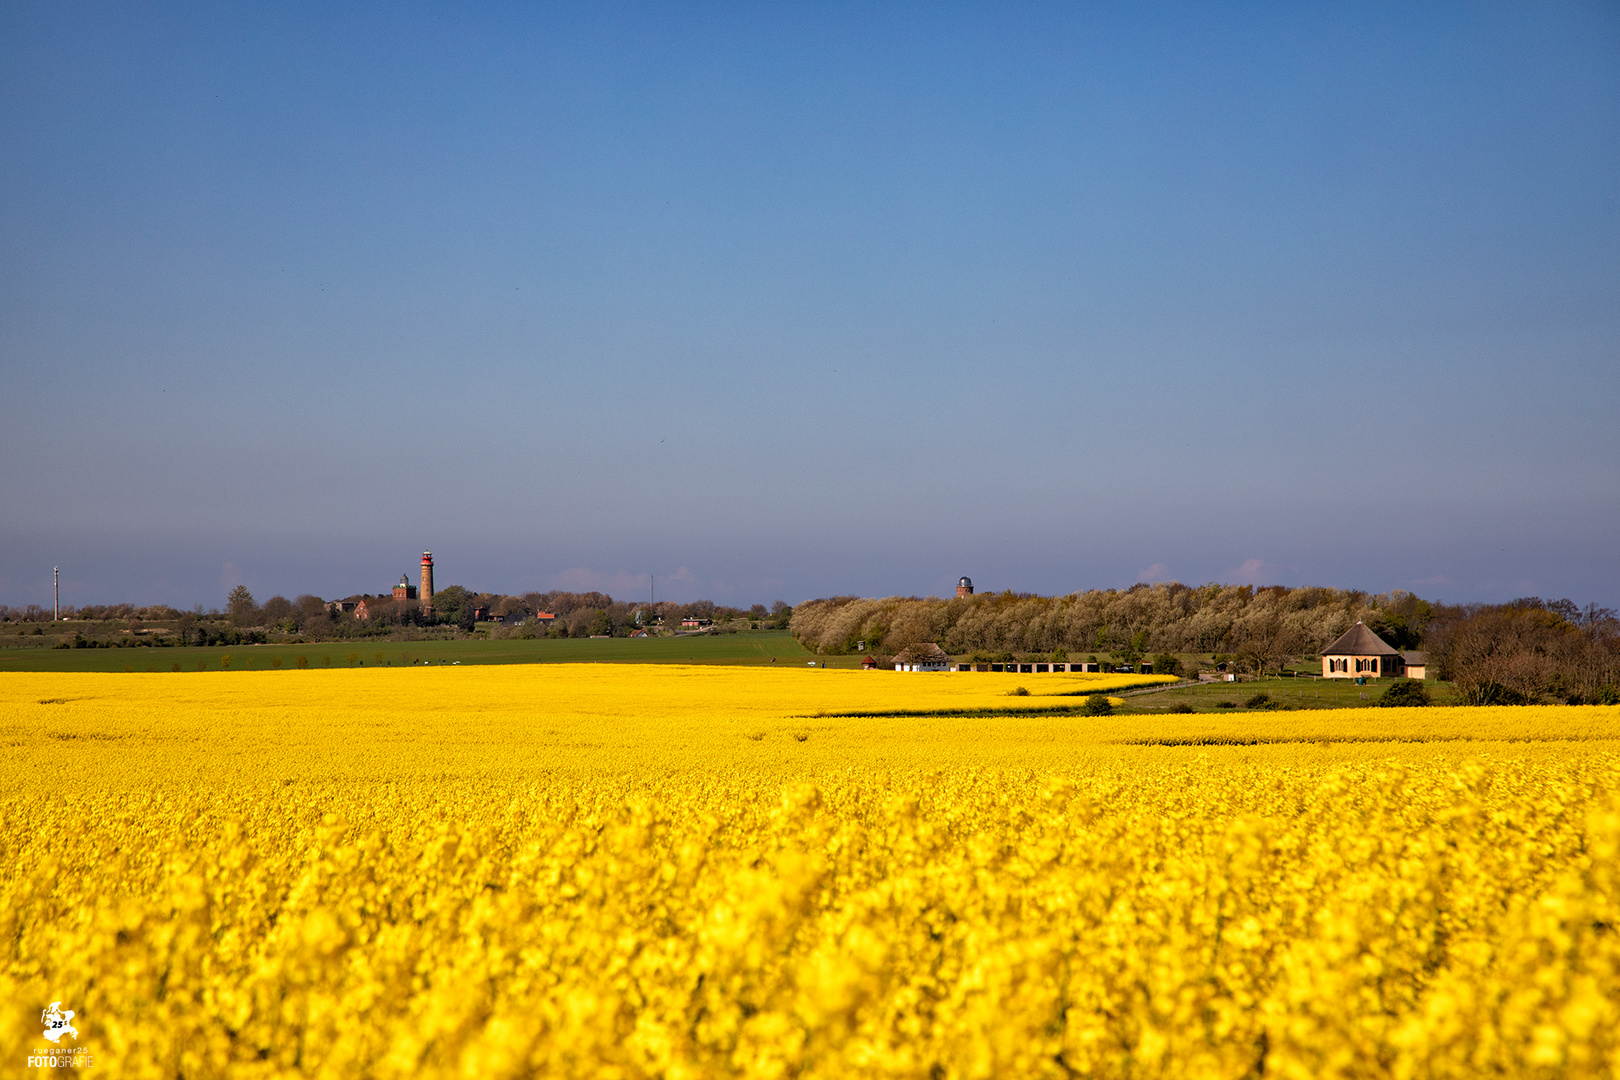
(1266, 639)
(452, 604)
(243, 610)
(1405, 692)
(781, 614)
(507, 606)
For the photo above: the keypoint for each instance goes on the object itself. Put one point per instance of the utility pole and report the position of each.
(652, 590)
(56, 603)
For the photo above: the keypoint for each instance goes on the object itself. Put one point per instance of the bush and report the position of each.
(1406, 692)
(1226, 704)
(1491, 693)
(1018, 691)
(1097, 705)
(1182, 708)
(1258, 701)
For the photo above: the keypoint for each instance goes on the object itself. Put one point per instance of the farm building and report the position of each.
(1024, 667)
(924, 657)
(1360, 653)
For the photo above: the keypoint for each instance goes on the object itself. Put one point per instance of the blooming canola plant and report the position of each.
(656, 871)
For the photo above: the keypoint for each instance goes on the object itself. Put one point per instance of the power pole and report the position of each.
(56, 603)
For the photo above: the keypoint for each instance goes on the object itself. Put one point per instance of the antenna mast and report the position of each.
(56, 602)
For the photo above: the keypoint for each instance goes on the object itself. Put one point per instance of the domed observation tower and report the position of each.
(964, 587)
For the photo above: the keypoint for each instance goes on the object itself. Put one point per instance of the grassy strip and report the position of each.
(1126, 690)
(751, 648)
(1263, 740)
(1044, 710)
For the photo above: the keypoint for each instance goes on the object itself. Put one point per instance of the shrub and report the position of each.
(1183, 707)
(1018, 691)
(1404, 693)
(1258, 701)
(301, 663)
(1226, 704)
(1097, 705)
(1488, 692)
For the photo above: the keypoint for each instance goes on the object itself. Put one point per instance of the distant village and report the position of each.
(545, 614)
(410, 609)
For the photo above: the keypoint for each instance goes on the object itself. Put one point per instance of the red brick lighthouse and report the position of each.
(425, 596)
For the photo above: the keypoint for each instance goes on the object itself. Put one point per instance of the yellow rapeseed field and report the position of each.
(619, 871)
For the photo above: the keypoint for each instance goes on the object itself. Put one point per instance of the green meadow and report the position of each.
(751, 647)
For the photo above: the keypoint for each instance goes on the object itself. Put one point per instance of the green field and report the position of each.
(752, 647)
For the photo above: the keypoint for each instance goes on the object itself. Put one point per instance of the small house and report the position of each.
(1360, 653)
(1417, 664)
(870, 663)
(924, 657)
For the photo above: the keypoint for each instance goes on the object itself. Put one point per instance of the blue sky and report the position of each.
(783, 301)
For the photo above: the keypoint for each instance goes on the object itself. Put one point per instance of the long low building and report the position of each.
(1028, 667)
(930, 657)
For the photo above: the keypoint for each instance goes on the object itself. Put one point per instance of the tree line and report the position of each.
(577, 614)
(1525, 650)
(1529, 650)
(245, 620)
(97, 612)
